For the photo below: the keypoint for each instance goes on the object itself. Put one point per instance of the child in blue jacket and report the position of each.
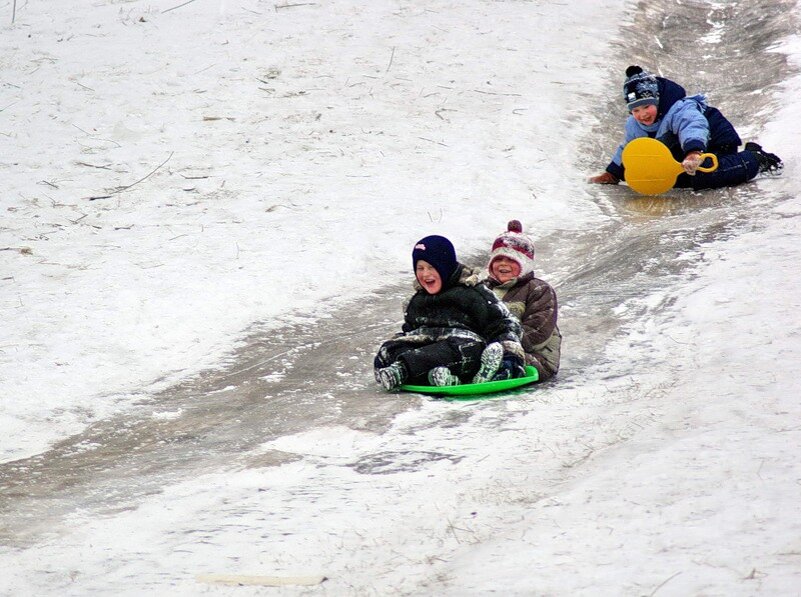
(659, 108)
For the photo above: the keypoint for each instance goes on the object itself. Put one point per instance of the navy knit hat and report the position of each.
(640, 88)
(439, 252)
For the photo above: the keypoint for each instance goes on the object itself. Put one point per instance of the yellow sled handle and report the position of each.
(714, 165)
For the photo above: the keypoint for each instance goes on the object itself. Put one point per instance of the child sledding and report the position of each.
(660, 109)
(457, 331)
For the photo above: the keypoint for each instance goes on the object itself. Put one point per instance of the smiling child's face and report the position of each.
(428, 277)
(645, 114)
(504, 269)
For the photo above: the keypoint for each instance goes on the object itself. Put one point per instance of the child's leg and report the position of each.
(733, 169)
(461, 355)
(391, 350)
(389, 370)
(387, 354)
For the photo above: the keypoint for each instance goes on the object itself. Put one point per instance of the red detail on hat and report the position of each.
(519, 245)
(514, 226)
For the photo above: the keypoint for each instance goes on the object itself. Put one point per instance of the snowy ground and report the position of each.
(176, 173)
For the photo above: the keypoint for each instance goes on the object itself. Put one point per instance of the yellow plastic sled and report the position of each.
(650, 167)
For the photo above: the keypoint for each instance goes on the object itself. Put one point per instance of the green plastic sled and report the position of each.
(474, 389)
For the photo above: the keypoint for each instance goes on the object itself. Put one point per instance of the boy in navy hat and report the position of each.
(455, 329)
(660, 109)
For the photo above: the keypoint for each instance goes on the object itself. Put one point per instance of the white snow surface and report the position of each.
(174, 172)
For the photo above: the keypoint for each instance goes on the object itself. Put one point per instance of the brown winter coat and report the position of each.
(533, 301)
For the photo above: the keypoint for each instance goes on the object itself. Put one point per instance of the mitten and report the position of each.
(691, 162)
(511, 367)
(605, 178)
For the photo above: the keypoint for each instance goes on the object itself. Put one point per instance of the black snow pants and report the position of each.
(420, 353)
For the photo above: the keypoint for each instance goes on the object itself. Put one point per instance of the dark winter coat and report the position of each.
(464, 306)
(451, 329)
(534, 302)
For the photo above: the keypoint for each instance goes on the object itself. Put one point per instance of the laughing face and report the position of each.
(645, 114)
(428, 277)
(504, 269)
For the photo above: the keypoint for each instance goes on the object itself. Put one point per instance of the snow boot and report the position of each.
(490, 361)
(769, 163)
(393, 376)
(442, 376)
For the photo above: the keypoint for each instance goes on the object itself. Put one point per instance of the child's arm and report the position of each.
(501, 326)
(614, 171)
(687, 122)
(605, 177)
(539, 318)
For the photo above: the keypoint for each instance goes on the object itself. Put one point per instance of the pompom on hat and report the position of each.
(514, 245)
(640, 88)
(439, 252)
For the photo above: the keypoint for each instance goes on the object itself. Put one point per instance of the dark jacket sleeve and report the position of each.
(615, 170)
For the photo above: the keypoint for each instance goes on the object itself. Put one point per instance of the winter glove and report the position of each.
(605, 178)
(691, 162)
(511, 367)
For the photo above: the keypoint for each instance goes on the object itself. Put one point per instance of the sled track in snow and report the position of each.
(318, 373)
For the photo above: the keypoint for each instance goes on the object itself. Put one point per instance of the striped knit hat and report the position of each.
(516, 246)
